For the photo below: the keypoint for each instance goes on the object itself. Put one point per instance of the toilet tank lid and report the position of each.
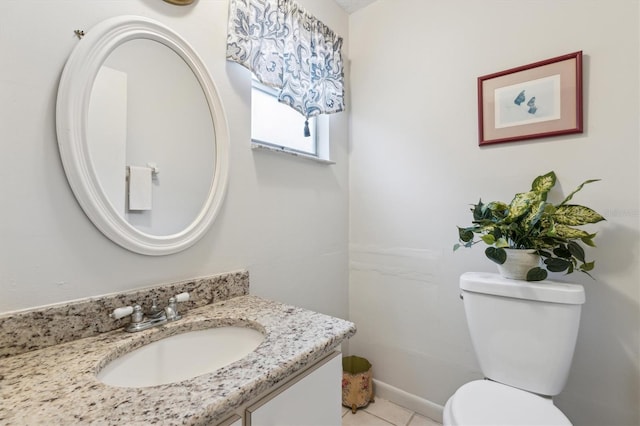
(543, 291)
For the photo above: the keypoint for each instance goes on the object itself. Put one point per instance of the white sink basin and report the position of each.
(180, 357)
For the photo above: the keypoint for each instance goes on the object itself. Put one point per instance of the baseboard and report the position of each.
(408, 400)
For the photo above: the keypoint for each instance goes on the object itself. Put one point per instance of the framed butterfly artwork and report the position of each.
(537, 100)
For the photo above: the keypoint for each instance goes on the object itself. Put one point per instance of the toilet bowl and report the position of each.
(483, 402)
(524, 336)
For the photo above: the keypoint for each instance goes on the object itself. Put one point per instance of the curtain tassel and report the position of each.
(307, 132)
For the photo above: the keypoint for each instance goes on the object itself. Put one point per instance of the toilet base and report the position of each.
(484, 402)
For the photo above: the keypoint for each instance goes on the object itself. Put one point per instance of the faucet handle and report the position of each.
(171, 311)
(121, 312)
(135, 311)
(182, 297)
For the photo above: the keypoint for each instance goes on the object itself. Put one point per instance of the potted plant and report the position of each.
(530, 226)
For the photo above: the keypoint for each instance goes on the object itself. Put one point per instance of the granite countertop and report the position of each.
(57, 384)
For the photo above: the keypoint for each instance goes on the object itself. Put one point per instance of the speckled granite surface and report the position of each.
(57, 384)
(38, 328)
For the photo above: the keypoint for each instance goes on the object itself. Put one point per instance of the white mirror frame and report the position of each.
(72, 107)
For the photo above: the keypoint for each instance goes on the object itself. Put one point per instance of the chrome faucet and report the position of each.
(155, 316)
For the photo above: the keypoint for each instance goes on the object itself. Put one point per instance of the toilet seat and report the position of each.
(483, 402)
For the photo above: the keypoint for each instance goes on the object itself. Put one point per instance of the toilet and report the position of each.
(524, 334)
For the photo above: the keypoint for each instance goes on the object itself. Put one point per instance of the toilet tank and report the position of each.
(523, 333)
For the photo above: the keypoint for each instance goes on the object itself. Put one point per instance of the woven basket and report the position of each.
(357, 382)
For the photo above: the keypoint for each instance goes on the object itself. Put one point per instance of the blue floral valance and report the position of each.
(290, 50)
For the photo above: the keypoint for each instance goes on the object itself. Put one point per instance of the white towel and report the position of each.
(139, 188)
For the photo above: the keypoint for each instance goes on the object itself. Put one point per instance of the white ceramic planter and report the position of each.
(518, 263)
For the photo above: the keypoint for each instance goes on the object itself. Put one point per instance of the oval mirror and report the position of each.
(142, 135)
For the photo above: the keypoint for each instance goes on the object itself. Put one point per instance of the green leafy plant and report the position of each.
(531, 222)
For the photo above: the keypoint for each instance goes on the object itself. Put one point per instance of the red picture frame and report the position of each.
(537, 100)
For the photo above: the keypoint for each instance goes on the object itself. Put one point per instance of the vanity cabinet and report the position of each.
(312, 398)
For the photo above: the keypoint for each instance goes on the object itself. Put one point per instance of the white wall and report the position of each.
(415, 166)
(285, 219)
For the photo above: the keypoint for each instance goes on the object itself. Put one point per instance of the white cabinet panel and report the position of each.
(312, 400)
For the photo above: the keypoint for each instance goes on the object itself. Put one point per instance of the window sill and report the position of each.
(261, 147)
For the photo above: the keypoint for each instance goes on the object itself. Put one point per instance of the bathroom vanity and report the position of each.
(52, 358)
(295, 372)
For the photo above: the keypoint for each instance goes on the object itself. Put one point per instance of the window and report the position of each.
(278, 127)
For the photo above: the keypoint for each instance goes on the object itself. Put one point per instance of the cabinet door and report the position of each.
(314, 399)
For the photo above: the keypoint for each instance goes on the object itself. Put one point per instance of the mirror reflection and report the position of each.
(151, 138)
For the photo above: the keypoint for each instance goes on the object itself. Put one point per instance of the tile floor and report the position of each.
(384, 413)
